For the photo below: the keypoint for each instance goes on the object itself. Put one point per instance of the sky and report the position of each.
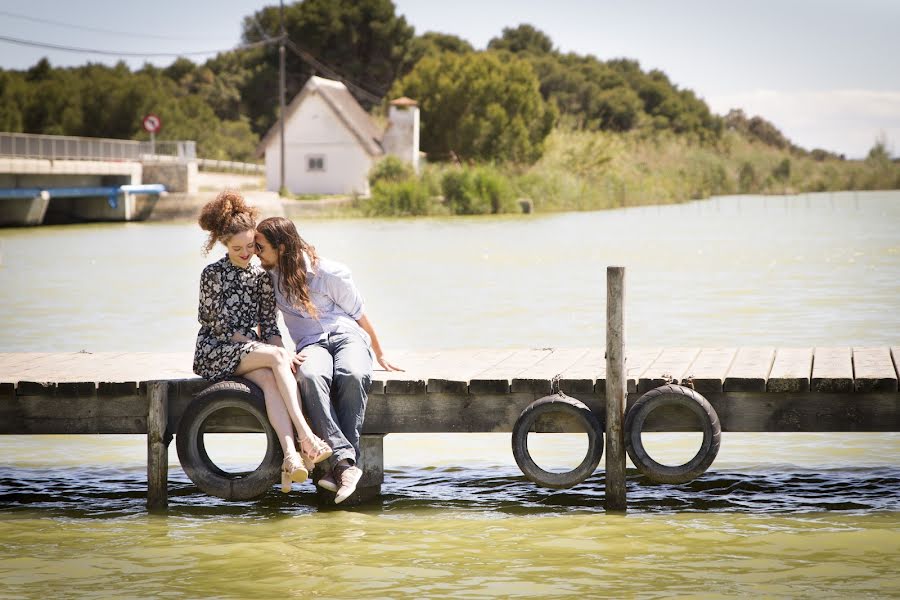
(824, 72)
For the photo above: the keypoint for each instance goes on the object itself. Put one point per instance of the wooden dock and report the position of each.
(752, 389)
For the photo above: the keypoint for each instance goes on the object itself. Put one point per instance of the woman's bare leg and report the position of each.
(277, 360)
(275, 408)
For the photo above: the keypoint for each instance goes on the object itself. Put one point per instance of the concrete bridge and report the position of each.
(59, 179)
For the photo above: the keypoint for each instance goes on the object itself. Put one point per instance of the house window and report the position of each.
(315, 162)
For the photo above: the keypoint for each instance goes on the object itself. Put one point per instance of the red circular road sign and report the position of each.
(152, 123)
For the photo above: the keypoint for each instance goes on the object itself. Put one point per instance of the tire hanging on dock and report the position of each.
(557, 403)
(237, 393)
(672, 395)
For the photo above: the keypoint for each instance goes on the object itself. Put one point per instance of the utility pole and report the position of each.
(281, 93)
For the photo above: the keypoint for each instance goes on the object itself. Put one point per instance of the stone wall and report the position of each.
(178, 177)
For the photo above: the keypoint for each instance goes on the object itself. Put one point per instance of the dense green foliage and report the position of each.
(479, 191)
(438, 190)
(622, 135)
(390, 168)
(478, 107)
(100, 101)
(232, 98)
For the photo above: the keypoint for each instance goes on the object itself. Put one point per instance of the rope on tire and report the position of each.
(557, 403)
(672, 395)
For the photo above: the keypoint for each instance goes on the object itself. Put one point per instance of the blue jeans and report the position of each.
(334, 383)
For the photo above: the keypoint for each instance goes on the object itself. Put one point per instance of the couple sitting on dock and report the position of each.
(324, 315)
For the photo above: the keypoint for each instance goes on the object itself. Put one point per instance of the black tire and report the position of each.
(553, 404)
(206, 475)
(672, 395)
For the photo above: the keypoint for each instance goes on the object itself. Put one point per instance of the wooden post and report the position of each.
(615, 388)
(157, 449)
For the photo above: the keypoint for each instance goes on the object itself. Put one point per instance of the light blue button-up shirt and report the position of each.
(336, 299)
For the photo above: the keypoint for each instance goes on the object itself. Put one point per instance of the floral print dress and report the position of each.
(232, 300)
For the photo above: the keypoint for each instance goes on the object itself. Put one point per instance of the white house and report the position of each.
(331, 142)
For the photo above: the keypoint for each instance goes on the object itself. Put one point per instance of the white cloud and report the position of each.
(845, 121)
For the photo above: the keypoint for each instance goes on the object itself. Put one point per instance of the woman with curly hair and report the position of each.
(239, 332)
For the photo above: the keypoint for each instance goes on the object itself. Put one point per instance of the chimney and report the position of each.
(401, 138)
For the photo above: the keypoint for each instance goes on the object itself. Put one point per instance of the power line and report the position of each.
(93, 29)
(326, 70)
(119, 53)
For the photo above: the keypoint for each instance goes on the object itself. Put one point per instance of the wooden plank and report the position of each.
(636, 362)
(48, 414)
(12, 363)
(707, 373)
(750, 370)
(36, 388)
(832, 370)
(737, 411)
(83, 367)
(118, 388)
(791, 412)
(895, 354)
(380, 376)
(539, 377)
(454, 377)
(672, 364)
(497, 379)
(453, 413)
(873, 370)
(414, 377)
(579, 379)
(791, 370)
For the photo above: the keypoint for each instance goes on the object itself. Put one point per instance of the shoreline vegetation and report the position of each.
(519, 125)
(600, 170)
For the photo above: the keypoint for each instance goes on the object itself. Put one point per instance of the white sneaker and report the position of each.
(327, 482)
(349, 477)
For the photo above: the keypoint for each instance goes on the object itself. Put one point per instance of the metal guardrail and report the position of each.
(54, 147)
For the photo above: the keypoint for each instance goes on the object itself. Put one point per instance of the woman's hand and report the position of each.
(297, 360)
(386, 364)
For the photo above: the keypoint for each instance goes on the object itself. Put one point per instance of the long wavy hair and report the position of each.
(225, 216)
(282, 235)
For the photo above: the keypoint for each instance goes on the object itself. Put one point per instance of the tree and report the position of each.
(879, 154)
(431, 43)
(524, 38)
(364, 41)
(479, 107)
(13, 99)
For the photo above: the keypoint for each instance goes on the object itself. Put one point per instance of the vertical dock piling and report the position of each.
(157, 449)
(615, 389)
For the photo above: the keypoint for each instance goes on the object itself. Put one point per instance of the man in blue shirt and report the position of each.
(324, 314)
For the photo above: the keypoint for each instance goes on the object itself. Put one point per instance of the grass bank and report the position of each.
(596, 170)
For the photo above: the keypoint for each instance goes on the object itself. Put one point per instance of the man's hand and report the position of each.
(386, 364)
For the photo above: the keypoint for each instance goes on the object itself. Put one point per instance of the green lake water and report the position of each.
(778, 515)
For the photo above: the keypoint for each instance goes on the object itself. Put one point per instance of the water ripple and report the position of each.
(112, 492)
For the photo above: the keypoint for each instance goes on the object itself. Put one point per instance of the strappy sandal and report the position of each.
(314, 450)
(293, 470)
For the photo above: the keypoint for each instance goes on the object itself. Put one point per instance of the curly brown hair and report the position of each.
(225, 216)
(282, 234)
